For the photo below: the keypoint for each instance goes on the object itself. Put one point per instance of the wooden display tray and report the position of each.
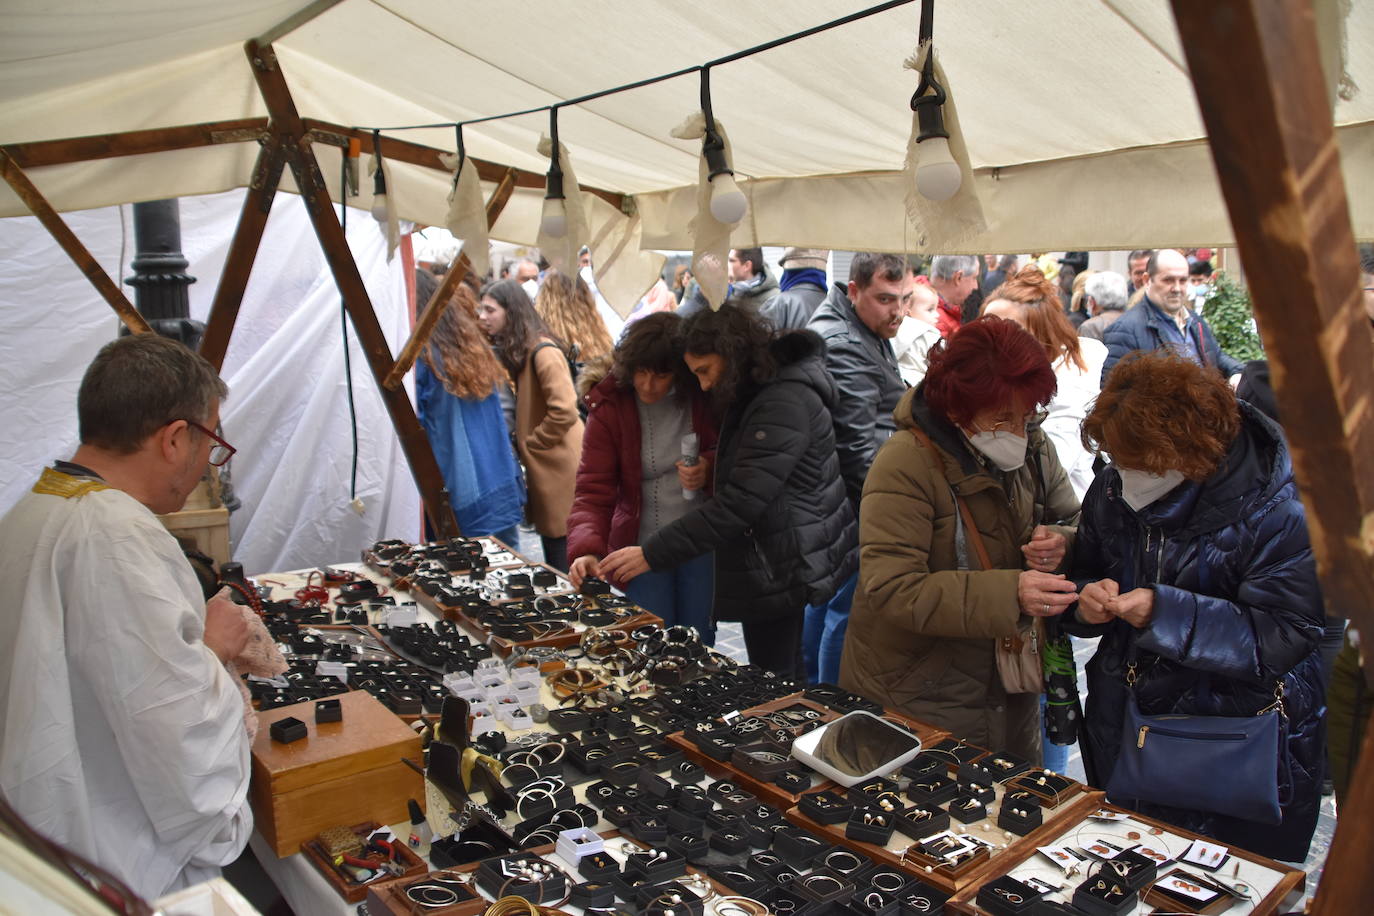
(1284, 896)
(504, 647)
(344, 772)
(1018, 849)
(354, 893)
(771, 793)
(378, 565)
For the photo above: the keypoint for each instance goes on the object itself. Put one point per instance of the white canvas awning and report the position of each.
(1080, 118)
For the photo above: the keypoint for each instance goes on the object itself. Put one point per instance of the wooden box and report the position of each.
(341, 773)
(207, 529)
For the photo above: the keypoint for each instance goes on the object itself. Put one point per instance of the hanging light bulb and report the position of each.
(381, 206)
(938, 176)
(728, 203)
(553, 221)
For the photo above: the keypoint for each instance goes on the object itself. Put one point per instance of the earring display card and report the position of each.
(1184, 892)
(1128, 848)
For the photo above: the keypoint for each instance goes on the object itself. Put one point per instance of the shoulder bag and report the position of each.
(1018, 656)
(1231, 765)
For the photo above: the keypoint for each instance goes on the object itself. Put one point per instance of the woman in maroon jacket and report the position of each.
(632, 480)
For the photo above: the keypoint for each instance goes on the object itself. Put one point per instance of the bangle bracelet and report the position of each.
(726, 906)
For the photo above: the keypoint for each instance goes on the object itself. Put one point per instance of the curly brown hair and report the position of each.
(458, 351)
(741, 338)
(652, 343)
(1042, 313)
(566, 304)
(1159, 411)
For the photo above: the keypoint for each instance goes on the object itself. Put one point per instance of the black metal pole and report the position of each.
(160, 279)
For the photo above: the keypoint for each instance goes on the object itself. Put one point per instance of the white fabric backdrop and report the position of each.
(287, 411)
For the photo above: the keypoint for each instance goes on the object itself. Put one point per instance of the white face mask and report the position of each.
(1007, 450)
(531, 288)
(1140, 488)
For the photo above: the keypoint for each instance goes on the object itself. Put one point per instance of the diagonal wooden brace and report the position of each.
(85, 261)
(286, 123)
(433, 310)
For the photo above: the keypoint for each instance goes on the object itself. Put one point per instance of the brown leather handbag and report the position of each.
(1018, 656)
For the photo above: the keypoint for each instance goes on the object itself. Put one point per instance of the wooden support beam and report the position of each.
(286, 123)
(257, 205)
(434, 309)
(1258, 75)
(136, 142)
(291, 23)
(243, 130)
(428, 157)
(85, 261)
(1346, 882)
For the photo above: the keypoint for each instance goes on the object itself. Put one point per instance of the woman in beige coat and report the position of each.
(548, 430)
(927, 614)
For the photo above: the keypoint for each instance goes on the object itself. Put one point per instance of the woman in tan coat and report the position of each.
(548, 430)
(928, 615)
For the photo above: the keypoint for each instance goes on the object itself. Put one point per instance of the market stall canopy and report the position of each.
(1080, 118)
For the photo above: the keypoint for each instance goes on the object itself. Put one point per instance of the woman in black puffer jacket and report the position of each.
(783, 532)
(1193, 562)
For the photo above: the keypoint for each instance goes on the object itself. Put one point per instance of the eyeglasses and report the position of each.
(1034, 419)
(221, 451)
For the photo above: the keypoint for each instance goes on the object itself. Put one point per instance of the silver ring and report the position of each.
(1047, 609)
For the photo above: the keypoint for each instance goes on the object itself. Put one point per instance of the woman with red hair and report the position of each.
(929, 611)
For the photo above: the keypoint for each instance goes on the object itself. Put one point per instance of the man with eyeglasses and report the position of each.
(123, 731)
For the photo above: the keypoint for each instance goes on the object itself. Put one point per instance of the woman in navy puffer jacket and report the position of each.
(1193, 553)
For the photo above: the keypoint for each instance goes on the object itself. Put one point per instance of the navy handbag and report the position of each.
(1229, 765)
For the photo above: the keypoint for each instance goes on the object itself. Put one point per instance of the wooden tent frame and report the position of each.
(1268, 121)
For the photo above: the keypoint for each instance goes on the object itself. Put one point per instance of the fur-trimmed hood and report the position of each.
(800, 356)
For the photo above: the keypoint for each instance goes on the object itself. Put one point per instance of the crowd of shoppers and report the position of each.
(895, 482)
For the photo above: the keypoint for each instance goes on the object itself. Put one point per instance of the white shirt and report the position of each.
(121, 734)
(914, 339)
(1078, 390)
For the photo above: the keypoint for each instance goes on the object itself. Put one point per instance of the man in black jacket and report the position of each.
(857, 324)
(1163, 320)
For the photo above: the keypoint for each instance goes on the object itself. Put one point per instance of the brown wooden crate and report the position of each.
(341, 773)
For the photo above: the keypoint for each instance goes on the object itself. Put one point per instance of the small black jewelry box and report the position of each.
(691, 847)
(983, 791)
(598, 866)
(826, 807)
(1020, 817)
(926, 764)
(922, 821)
(655, 865)
(1007, 897)
(932, 790)
(736, 879)
(287, 730)
(967, 809)
(732, 841)
(589, 895)
(870, 825)
(1105, 895)
(1004, 765)
(797, 847)
(328, 711)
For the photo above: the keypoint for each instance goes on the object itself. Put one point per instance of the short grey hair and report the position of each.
(138, 384)
(1108, 289)
(945, 266)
